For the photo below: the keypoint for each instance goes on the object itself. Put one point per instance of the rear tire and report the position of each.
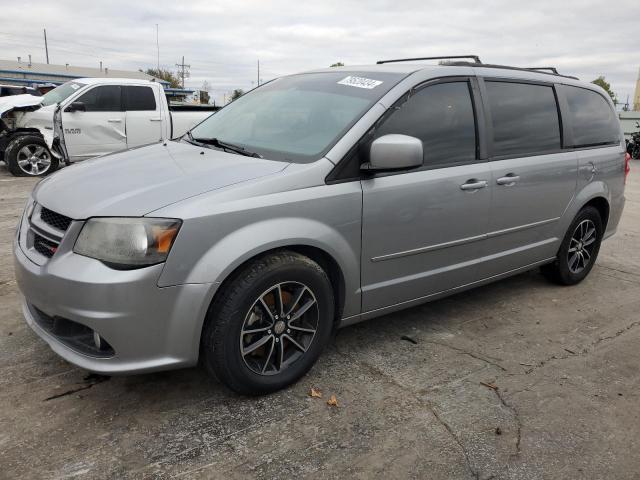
(285, 302)
(579, 249)
(29, 156)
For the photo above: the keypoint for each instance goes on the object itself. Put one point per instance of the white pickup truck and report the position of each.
(86, 118)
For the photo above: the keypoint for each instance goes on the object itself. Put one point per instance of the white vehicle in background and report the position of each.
(85, 118)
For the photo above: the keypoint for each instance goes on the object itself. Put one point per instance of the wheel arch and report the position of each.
(602, 205)
(323, 258)
(596, 194)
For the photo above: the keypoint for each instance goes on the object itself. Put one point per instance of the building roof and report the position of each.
(35, 72)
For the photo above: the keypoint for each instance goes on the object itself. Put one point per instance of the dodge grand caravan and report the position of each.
(315, 201)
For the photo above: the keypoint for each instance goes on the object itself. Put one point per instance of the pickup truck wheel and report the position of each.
(268, 325)
(29, 156)
(579, 249)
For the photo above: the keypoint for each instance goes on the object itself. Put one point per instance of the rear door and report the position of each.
(144, 119)
(98, 130)
(423, 230)
(533, 178)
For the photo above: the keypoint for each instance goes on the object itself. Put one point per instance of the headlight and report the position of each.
(127, 242)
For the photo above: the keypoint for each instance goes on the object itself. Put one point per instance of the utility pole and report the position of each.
(183, 66)
(258, 72)
(158, 47)
(46, 47)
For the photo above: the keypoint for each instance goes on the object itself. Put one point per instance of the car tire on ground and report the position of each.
(28, 155)
(269, 323)
(579, 249)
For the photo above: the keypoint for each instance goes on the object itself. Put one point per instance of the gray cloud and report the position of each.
(223, 40)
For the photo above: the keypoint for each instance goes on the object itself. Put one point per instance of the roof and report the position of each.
(65, 73)
(120, 81)
(449, 67)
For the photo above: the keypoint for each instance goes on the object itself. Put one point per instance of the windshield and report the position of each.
(61, 93)
(300, 117)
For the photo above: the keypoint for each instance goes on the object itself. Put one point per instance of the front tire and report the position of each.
(268, 325)
(29, 156)
(579, 249)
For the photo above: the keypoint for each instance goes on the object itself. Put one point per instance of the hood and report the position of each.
(19, 102)
(138, 181)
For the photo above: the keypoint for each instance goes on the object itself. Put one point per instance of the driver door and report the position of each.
(423, 230)
(100, 128)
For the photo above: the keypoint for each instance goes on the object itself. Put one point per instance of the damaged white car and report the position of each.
(86, 118)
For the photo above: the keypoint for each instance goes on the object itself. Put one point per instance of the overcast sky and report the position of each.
(222, 40)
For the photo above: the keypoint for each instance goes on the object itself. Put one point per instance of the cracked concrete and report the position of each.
(563, 361)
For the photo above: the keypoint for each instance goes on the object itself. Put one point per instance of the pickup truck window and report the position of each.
(61, 93)
(300, 117)
(105, 98)
(138, 99)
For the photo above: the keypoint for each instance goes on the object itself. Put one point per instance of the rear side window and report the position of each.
(102, 99)
(139, 99)
(442, 117)
(524, 118)
(592, 120)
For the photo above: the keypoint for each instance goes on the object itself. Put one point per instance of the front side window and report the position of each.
(139, 99)
(105, 98)
(300, 117)
(442, 117)
(524, 118)
(592, 119)
(61, 93)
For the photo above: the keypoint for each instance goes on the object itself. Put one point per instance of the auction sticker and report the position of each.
(360, 82)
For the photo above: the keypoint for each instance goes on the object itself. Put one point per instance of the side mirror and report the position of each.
(76, 107)
(637, 125)
(394, 152)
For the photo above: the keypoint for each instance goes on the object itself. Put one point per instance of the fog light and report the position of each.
(97, 340)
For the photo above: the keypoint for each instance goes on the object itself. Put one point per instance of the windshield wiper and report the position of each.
(224, 146)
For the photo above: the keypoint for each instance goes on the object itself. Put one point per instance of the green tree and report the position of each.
(162, 74)
(606, 86)
(337, 64)
(237, 93)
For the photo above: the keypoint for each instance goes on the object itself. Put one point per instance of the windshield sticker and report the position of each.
(360, 82)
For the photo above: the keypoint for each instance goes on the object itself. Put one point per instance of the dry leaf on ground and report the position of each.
(333, 401)
(315, 393)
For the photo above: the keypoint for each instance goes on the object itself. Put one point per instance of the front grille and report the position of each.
(44, 246)
(72, 334)
(55, 220)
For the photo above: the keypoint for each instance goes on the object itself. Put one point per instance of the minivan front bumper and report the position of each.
(146, 327)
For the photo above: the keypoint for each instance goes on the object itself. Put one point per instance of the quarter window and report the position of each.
(442, 117)
(592, 120)
(139, 99)
(524, 118)
(102, 99)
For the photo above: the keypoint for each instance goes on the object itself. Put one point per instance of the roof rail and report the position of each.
(553, 70)
(475, 58)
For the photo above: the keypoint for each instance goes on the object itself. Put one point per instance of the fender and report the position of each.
(240, 245)
(594, 189)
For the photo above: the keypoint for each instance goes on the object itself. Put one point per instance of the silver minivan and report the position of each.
(313, 202)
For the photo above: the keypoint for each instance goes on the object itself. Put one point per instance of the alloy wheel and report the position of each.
(279, 328)
(581, 246)
(34, 159)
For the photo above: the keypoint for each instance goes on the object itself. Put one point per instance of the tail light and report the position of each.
(627, 166)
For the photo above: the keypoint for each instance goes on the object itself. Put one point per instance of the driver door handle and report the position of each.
(155, 119)
(473, 184)
(115, 120)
